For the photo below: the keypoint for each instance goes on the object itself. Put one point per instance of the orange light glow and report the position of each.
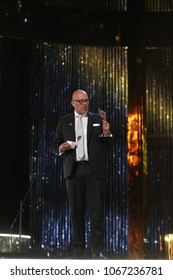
(117, 38)
(134, 124)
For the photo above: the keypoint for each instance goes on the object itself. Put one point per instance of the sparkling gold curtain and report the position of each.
(57, 70)
(159, 125)
(109, 5)
(158, 5)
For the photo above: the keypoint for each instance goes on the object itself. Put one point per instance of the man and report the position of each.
(84, 173)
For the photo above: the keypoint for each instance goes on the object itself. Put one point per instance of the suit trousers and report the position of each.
(86, 192)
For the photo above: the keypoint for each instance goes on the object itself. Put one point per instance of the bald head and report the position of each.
(79, 92)
(80, 101)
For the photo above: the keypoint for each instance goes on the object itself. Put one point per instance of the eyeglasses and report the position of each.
(81, 101)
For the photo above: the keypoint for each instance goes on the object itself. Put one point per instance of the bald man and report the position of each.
(85, 176)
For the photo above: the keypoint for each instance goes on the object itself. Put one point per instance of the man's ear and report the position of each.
(72, 103)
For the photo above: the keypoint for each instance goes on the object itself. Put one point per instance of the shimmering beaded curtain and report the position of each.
(57, 71)
(118, 5)
(159, 117)
(159, 5)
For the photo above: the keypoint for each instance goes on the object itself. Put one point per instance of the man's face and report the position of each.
(80, 102)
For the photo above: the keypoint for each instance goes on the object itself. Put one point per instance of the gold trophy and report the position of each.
(103, 115)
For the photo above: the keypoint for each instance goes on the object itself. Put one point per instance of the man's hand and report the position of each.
(64, 147)
(106, 128)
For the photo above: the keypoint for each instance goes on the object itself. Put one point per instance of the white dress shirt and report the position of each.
(85, 124)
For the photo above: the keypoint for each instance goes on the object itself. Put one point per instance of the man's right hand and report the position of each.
(65, 147)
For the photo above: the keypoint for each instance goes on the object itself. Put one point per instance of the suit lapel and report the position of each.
(90, 124)
(71, 127)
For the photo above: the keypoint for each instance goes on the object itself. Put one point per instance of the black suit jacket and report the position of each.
(65, 131)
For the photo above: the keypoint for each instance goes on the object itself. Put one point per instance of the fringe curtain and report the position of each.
(57, 70)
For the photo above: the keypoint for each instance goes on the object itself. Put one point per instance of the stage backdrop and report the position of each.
(159, 131)
(139, 185)
(57, 70)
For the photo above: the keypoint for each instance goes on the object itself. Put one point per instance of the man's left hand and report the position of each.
(106, 128)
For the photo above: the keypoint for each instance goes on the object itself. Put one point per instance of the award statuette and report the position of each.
(103, 115)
